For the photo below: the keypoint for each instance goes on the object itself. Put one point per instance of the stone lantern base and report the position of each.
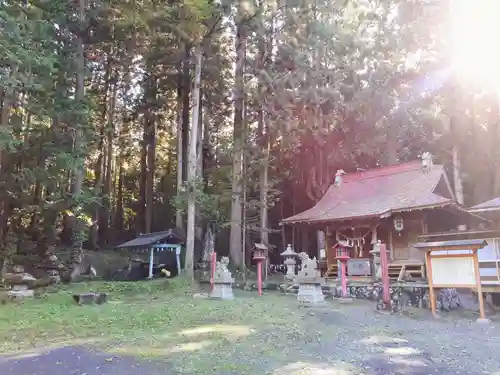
(309, 281)
(223, 281)
(222, 291)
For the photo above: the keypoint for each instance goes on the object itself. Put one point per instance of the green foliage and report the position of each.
(336, 84)
(209, 204)
(40, 121)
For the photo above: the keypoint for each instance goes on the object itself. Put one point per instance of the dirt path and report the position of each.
(348, 340)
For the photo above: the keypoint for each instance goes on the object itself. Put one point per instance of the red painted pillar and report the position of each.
(259, 256)
(343, 257)
(259, 276)
(343, 270)
(384, 264)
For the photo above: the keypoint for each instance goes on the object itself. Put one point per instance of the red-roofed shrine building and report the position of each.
(395, 205)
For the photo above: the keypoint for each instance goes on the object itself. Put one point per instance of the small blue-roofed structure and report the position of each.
(168, 240)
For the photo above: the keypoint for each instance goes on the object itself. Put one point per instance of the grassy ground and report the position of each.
(55, 317)
(156, 319)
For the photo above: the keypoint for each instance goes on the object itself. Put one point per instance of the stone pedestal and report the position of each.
(21, 283)
(20, 291)
(223, 281)
(483, 321)
(310, 281)
(310, 293)
(222, 291)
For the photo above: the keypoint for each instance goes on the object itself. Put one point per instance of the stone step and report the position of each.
(332, 272)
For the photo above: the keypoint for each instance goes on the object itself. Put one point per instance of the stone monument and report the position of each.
(310, 281)
(223, 281)
(21, 283)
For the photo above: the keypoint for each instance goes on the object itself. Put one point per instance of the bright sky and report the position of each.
(475, 49)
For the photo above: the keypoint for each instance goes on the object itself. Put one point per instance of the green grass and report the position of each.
(160, 319)
(132, 306)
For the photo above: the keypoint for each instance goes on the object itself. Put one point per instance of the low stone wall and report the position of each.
(402, 295)
(406, 295)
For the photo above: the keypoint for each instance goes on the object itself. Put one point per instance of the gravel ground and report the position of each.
(392, 344)
(333, 340)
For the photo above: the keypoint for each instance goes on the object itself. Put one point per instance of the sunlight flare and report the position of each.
(474, 32)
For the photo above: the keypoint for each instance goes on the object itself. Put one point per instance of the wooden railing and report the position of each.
(357, 268)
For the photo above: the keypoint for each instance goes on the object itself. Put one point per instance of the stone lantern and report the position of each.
(289, 262)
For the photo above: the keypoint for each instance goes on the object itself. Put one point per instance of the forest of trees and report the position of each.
(121, 117)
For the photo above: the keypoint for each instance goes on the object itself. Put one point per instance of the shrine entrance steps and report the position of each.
(332, 272)
(398, 271)
(406, 270)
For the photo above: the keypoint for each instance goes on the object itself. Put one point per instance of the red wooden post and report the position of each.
(344, 279)
(259, 256)
(343, 256)
(259, 276)
(214, 260)
(384, 264)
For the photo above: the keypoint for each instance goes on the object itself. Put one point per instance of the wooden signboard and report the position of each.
(453, 271)
(453, 264)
